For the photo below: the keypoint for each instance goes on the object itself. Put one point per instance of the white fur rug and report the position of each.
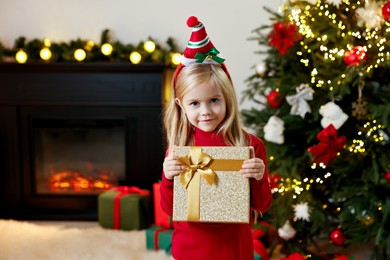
(25, 240)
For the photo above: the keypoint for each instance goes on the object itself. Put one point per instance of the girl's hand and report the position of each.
(171, 166)
(253, 168)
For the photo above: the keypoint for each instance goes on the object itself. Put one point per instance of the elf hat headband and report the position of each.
(199, 49)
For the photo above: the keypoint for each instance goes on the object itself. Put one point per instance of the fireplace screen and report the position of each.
(78, 156)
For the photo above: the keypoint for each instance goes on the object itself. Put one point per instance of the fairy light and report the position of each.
(106, 49)
(80, 54)
(176, 58)
(21, 56)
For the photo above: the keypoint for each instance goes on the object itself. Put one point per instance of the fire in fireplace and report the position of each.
(78, 156)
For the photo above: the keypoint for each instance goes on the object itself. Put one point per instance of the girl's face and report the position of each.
(204, 106)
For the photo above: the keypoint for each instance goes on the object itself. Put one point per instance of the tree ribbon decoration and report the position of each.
(258, 246)
(201, 165)
(298, 102)
(212, 54)
(330, 144)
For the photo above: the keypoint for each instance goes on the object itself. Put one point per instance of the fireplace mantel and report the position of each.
(131, 93)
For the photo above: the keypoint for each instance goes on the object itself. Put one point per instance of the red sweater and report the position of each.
(214, 241)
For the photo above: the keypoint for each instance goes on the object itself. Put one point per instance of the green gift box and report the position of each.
(158, 237)
(125, 208)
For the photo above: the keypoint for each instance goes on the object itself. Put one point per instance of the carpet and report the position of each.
(25, 240)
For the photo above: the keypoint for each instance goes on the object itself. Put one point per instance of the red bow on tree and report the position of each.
(283, 36)
(330, 144)
(257, 245)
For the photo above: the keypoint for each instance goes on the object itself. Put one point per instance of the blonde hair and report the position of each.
(179, 130)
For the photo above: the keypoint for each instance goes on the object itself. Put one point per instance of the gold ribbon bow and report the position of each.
(199, 164)
(197, 161)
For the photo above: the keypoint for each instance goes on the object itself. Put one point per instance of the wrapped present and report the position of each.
(125, 208)
(159, 238)
(160, 217)
(210, 188)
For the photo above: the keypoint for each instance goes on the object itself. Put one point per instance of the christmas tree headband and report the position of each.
(199, 50)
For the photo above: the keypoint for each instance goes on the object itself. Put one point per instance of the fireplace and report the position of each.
(71, 131)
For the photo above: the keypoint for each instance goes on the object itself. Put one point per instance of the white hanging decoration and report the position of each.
(298, 102)
(334, 2)
(273, 130)
(302, 211)
(261, 68)
(287, 232)
(332, 114)
(370, 16)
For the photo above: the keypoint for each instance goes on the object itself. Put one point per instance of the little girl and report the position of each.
(203, 111)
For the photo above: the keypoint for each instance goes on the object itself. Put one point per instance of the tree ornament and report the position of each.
(387, 176)
(261, 69)
(298, 102)
(354, 56)
(294, 256)
(337, 236)
(335, 2)
(273, 130)
(369, 16)
(332, 114)
(329, 146)
(287, 232)
(283, 36)
(386, 11)
(274, 99)
(302, 211)
(359, 107)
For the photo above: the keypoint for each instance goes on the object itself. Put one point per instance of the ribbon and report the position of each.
(201, 165)
(298, 102)
(330, 144)
(212, 54)
(156, 233)
(258, 247)
(123, 191)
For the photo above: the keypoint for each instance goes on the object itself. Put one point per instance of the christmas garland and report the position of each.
(81, 50)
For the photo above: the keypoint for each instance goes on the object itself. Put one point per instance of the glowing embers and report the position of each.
(76, 181)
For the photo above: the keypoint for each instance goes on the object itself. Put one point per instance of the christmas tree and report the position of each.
(322, 95)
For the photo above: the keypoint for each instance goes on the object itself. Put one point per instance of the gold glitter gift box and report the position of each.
(211, 189)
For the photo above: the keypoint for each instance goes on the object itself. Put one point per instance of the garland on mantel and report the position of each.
(81, 50)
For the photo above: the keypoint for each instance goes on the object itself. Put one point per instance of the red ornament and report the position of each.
(354, 56)
(386, 11)
(337, 237)
(294, 256)
(274, 178)
(387, 176)
(274, 99)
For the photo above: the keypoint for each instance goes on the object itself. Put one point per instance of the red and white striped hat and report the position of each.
(199, 48)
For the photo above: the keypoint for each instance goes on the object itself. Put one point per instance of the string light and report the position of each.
(45, 53)
(21, 56)
(135, 57)
(107, 49)
(176, 58)
(80, 54)
(149, 46)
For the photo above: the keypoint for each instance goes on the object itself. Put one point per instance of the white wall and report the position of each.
(229, 24)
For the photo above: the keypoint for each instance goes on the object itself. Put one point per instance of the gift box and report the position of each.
(125, 208)
(210, 188)
(160, 217)
(158, 237)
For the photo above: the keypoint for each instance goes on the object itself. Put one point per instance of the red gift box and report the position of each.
(160, 217)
